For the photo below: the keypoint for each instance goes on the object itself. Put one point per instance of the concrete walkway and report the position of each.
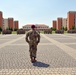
(56, 55)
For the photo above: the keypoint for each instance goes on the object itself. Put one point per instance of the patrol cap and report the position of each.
(33, 26)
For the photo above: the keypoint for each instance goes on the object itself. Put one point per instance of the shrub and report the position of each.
(6, 32)
(59, 31)
(48, 31)
(71, 31)
(20, 31)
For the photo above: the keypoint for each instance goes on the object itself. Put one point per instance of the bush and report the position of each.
(71, 31)
(20, 31)
(48, 31)
(59, 31)
(6, 32)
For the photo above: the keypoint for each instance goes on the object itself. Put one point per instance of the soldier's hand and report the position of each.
(37, 42)
(28, 42)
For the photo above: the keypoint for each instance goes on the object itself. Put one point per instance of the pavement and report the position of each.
(56, 55)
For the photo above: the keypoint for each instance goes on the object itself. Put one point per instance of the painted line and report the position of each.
(9, 42)
(67, 49)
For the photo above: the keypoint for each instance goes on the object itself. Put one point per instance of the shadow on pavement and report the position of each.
(40, 64)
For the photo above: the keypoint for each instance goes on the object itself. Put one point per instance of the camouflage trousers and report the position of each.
(32, 50)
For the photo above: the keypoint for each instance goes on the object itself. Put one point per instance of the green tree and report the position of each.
(62, 28)
(0, 29)
(15, 29)
(11, 29)
(73, 27)
(53, 29)
(65, 28)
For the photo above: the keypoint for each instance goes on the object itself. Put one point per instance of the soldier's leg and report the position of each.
(34, 52)
(30, 51)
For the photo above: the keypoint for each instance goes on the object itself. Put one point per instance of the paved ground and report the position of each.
(56, 55)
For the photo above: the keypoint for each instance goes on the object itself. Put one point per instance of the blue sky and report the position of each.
(36, 11)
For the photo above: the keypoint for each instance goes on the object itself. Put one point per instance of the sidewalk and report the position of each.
(56, 55)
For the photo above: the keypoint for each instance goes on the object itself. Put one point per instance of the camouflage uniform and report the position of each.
(33, 38)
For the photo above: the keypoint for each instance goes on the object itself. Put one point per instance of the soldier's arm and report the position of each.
(27, 37)
(38, 38)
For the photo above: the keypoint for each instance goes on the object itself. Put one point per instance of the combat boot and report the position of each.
(32, 60)
(35, 59)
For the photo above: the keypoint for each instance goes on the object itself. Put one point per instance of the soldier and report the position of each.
(33, 38)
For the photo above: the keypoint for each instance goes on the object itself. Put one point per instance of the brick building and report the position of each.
(16, 24)
(71, 19)
(54, 24)
(59, 23)
(11, 23)
(1, 19)
(64, 22)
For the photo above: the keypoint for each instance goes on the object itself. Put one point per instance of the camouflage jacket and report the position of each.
(33, 37)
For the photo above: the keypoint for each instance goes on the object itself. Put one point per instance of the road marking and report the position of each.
(67, 49)
(69, 43)
(2, 36)
(69, 36)
(9, 42)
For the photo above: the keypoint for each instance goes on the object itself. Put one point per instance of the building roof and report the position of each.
(72, 12)
(35, 24)
(59, 18)
(10, 18)
(54, 20)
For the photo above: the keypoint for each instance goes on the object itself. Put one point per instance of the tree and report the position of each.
(0, 29)
(53, 29)
(73, 27)
(15, 29)
(62, 28)
(65, 28)
(11, 29)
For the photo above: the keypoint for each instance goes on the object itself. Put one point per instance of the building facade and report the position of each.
(54, 24)
(71, 19)
(11, 23)
(64, 22)
(5, 24)
(16, 24)
(1, 19)
(59, 23)
(40, 27)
